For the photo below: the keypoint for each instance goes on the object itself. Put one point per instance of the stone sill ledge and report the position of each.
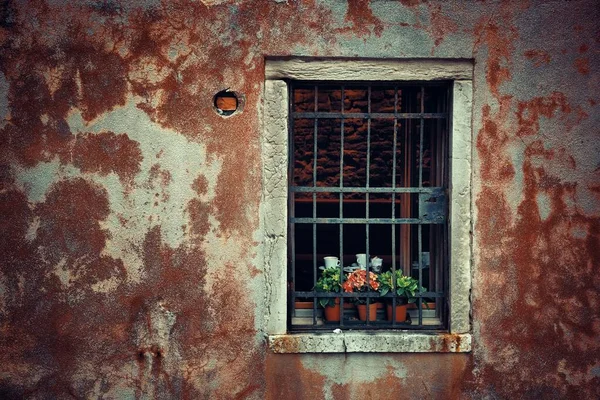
(376, 342)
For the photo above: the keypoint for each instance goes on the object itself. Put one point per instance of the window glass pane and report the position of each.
(303, 245)
(367, 158)
(356, 99)
(303, 98)
(407, 205)
(410, 100)
(303, 130)
(434, 152)
(328, 205)
(328, 242)
(407, 160)
(355, 152)
(383, 98)
(330, 99)
(426, 161)
(380, 245)
(382, 153)
(406, 239)
(354, 205)
(354, 241)
(436, 100)
(435, 165)
(380, 205)
(328, 152)
(303, 205)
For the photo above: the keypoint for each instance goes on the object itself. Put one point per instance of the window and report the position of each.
(368, 119)
(385, 197)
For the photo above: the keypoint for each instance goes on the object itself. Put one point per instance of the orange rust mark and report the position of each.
(441, 24)
(199, 212)
(359, 13)
(490, 140)
(582, 64)
(388, 386)
(286, 377)
(200, 185)
(539, 57)
(70, 216)
(286, 344)
(529, 112)
(412, 3)
(107, 152)
(159, 175)
(498, 40)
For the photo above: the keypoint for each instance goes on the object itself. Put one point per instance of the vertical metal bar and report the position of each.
(291, 205)
(395, 146)
(420, 226)
(341, 205)
(314, 203)
(367, 194)
(441, 305)
(421, 127)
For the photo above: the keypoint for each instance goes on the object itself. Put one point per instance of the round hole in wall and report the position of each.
(227, 103)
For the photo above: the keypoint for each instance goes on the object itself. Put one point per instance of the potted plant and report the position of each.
(330, 282)
(405, 287)
(356, 282)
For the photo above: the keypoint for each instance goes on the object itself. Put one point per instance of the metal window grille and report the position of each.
(368, 173)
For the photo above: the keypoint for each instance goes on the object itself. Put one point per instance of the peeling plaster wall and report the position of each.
(130, 238)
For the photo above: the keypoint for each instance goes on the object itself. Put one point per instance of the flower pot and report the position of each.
(400, 312)
(304, 305)
(362, 311)
(348, 305)
(332, 313)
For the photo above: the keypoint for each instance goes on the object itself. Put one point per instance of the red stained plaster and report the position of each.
(200, 185)
(529, 112)
(107, 152)
(160, 176)
(361, 16)
(69, 219)
(528, 262)
(287, 377)
(441, 25)
(499, 39)
(582, 65)
(539, 57)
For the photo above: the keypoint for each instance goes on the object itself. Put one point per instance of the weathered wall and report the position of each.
(130, 234)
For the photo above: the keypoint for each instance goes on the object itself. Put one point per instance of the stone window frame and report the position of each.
(274, 142)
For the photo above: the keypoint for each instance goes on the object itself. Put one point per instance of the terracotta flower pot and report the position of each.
(332, 313)
(400, 312)
(426, 306)
(362, 311)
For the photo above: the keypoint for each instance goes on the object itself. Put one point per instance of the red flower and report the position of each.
(357, 281)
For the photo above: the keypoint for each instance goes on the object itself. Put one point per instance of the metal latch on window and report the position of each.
(433, 206)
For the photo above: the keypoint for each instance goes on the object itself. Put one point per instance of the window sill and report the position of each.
(376, 342)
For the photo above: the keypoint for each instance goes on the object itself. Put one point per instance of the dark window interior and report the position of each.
(369, 174)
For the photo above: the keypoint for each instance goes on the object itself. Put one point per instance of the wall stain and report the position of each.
(80, 320)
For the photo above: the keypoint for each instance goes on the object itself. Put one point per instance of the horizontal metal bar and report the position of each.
(373, 325)
(339, 115)
(331, 189)
(359, 220)
(361, 84)
(365, 294)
